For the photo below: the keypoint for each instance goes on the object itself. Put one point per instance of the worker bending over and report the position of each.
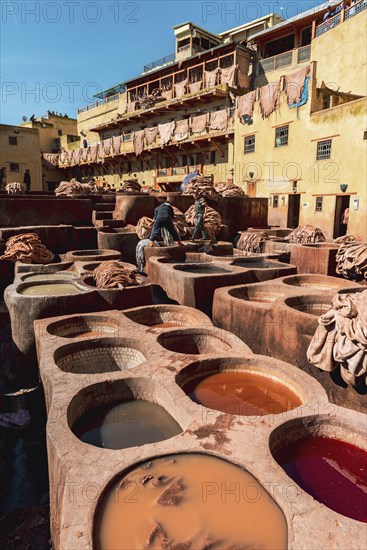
(163, 217)
(200, 206)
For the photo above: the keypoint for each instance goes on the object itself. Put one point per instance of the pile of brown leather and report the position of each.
(345, 239)
(252, 242)
(114, 274)
(130, 186)
(306, 234)
(351, 261)
(144, 227)
(27, 248)
(212, 220)
(14, 188)
(340, 339)
(69, 188)
(148, 101)
(202, 187)
(230, 190)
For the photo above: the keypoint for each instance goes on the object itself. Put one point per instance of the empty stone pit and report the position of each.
(317, 282)
(251, 294)
(202, 269)
(313, 305)
(119, 415)
(90, 357)
(92, 255)
(80, 327)
(237, 387)
(197, 341)
(256, 263)
(327, 461)
(167, 316)
(179, 505)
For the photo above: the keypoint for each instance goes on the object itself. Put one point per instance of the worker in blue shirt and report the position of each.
(163, 217)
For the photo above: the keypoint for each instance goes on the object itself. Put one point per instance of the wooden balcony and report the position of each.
(285, 59)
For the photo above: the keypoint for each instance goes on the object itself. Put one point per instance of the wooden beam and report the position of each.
(156, 158)
(216, 145)
(145, 162)
(205, 155)
(170, 154)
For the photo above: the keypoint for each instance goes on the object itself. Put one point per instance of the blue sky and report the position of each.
(55, 54)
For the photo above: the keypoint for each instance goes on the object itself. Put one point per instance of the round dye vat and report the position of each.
(331, 471)
(166, 325)
(192, 501)
(202, 269)
(50, 289)
(48, 277)
(127, 424)
(242, 393)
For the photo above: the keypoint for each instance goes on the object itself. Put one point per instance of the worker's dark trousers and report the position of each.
(199, 226)
(168, 224)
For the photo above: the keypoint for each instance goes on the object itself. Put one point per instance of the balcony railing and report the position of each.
(342, 16)
(304, 54)
(104, 101)
(159, 62)
(281, 60)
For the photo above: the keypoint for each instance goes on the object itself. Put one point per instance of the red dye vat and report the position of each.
(331, 471)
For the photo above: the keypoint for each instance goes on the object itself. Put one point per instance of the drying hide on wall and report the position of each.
(210, 78)
(198, 123)
(76, 155)
(180, 88)
(269, 98)
(195, 86)
(116, 144)
(139, 142)
(294, 84)
(182, 129)
(227, 75)
(340, 339)
(150, 134)
(107, 146)
(85, 152)
(167, 94)
(245, 105)
(166, 132)
(52, 158)
(218, 120)
(93, 153)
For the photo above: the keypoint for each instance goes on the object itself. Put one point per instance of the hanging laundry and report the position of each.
(227, 75)
(150, 134)
(138, 142)
(70, 157)
(198, 123)
(167, 94)
(131, 106)
(52, 158)
(180, 88)
(210, 78)
(107, 146)
(62, 158)
(166, 131)
(218, 120)
(295, 84)
(182, 129)
(100, 154)
(269, 98)
(116, 144)
(245, 105)
(76, 155)
(195, 86)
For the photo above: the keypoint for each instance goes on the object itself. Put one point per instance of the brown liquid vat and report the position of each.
(41, 288)
(167, 315)
(251, 387)
(106, 355)
(178, 499)
(74, 327)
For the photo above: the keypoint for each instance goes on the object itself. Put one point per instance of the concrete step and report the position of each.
(101, 216)
(109, 223)
(104, 207)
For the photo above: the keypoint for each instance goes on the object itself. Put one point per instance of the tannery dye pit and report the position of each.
(241, 393)
(333, 472)
(50, 289)
(126, 424)
(185, 501)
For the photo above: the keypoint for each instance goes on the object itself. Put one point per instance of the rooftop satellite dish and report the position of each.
(24, 118)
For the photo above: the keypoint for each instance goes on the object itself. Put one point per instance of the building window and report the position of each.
(319, 204)
(212, 157)
(249, 144)
(14, 167)
(13, 140)
(281, 136)
(59, 132)
(323, 149)
(275, 201)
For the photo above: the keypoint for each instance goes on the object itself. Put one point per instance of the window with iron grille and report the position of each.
(323, 149)
(13, 140)
(281, 136)
(319, 204)
(275, 201)
(14, 167)
(249, 144)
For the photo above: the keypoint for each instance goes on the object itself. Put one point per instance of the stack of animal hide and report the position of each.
(91, 189)
(27, 248)
(351, 261)
(252, 242)
(14, 188)
(306, 234)
(150, 100)
(69, 188)
(340, 339)
(180, 221)
(345, 239)
(144, 227)
(230, 190)
(131, 185)
(212, 220)
(114, 274)
(201, 186)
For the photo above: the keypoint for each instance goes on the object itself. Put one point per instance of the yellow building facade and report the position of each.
(19, 151)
